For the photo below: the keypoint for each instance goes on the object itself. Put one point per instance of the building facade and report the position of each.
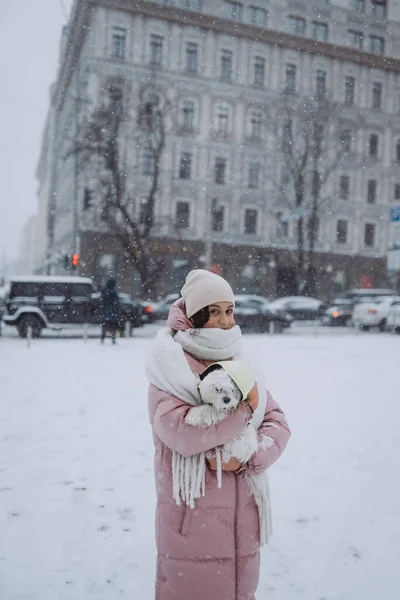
(224, 66)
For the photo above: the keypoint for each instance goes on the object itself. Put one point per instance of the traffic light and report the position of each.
(66, 261)
(87, 198)
(75, 261)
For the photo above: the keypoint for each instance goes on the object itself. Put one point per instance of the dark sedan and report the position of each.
(339, 312)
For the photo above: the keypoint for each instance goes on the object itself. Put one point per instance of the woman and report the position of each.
(210, 551)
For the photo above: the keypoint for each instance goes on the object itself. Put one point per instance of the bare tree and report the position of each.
(310, 143)
(102, 146)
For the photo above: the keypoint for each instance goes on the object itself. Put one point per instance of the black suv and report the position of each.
(40, 302)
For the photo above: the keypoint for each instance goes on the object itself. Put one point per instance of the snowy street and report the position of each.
(76, 481)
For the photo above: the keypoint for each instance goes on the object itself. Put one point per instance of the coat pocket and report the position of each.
(185, 522)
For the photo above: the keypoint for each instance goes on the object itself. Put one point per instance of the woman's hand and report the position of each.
(231, 465)
(252, 398)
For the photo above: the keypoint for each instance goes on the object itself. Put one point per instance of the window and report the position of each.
(148, 161)
(397, 191)
(156, 50)
(285, 176)
(118, 44)
(376, 95)
(320, 88)
(220, 170)
(189, 4)
(182, 215)
(296, 25)
(217, 216)
(369, 235)
(185, 166)
(355, 38)
(188, 115)
(371, 194)
(376, 44)
(191, 57)
(233, 10)
(398, 150)
(259, 71)
(320, 31)
(359, 5)
(282, 226)
(259, 16)
(379, 9)
(315, 183)
(290, 78)
(222, 118)
(87, 198)
(341, 231)
(344, 187)
(250, 221)
(254, 175)
(346, 140)
(349, 85)
(116, 104)
(287, 131)
(226, 65)
(373, 145)
(256, 123)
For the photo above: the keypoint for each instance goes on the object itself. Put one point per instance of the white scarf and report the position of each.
(168, 369)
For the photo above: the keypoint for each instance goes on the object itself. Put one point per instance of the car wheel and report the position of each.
(382, 325)
(397, 329)
(29, 321)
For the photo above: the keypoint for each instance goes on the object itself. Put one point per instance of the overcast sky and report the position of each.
(30, 31)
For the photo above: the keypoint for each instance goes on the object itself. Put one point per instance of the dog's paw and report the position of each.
(194, 416)
(203, 416)
(243, 447)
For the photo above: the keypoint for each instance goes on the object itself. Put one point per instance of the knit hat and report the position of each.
(237, 370)
(203, 288)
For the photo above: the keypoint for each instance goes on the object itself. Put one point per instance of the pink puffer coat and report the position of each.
(210, 552)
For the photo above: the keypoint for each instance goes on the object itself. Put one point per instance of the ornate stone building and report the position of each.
(224, 66)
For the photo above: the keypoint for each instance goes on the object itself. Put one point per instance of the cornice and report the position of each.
(80, 20)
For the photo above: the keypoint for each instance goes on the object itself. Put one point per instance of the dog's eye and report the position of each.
(218, 389)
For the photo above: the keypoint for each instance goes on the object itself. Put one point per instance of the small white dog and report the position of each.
(220, 394)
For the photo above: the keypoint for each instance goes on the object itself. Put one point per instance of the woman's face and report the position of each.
(221, 316)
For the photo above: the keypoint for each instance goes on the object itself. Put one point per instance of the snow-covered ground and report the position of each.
(76, 482)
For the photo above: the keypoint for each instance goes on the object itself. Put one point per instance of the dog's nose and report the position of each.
(226, 400)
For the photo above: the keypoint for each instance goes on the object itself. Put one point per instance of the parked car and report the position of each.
(367, 294)
(253, 314)
(131, 312)
(2, 311)
(339, 312)
(393, 318)
(299, 307)
(39, 302)
(147, 311)
(160, 310)
(374, 313)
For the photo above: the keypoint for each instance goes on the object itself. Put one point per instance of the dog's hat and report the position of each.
(237, 370)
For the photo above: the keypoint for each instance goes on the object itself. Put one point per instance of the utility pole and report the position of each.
(75, 216)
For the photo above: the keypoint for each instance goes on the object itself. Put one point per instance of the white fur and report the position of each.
(220, 395)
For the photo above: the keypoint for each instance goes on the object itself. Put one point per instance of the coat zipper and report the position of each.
(235, 535)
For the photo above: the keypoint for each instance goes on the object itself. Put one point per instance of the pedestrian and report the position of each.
(208, 538)
(110, 308)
